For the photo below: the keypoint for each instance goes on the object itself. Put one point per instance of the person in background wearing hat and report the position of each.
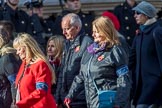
(42, 28)
(18, 17)
(125, 14)
(116, 23)
(146, 58)
(74, 6)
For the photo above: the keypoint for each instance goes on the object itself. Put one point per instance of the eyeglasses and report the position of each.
(137, 13)
(73, 0)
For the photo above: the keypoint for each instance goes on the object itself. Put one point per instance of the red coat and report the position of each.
(35, 86)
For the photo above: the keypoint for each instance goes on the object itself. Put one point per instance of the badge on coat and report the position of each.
(100, 58)
(77, 48)
(121, 82)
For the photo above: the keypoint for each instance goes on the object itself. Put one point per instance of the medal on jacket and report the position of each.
(77, 48)
(100, 58)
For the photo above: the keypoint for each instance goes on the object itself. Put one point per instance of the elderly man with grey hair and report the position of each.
(146, 58)
(74, 47)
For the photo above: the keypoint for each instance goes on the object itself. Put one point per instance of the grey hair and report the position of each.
(74, 19)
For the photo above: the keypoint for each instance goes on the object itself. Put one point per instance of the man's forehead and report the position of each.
(65, 23)
(66, 19)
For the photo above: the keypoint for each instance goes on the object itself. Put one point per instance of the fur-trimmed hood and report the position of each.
(7, 49)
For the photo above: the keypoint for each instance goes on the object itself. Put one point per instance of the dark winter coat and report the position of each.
(18, 17)
(41, 28)
(146, 65)
(125, 15)
(103, 67)
(9, 66)
(72, 54)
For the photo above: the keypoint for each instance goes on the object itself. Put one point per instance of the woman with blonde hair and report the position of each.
(103, 67)
(54, 51)
(35, 75)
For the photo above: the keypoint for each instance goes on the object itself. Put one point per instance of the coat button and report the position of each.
(49, 29)
(83, 16)
(22, 22)
(126, 18)
(127, 28)
(128, 37)
(44, 21)
(86, 24)
(34, 32)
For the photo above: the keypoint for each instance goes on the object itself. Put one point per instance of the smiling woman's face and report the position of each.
(21, 51)
(97, 36)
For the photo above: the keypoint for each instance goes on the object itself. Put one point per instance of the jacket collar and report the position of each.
(147, 28)
(77, 40)
(71, 44)
(10, 10)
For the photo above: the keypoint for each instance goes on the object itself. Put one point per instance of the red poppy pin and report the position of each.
(100, 57)
(137, 31)
(77, 48)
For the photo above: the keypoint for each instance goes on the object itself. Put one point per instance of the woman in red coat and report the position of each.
(35, 75)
